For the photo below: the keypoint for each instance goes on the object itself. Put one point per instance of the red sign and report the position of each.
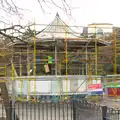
(94, 86)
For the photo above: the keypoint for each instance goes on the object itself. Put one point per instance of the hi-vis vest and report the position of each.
(50, 60)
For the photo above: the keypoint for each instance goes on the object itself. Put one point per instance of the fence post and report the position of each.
(118, 114)
(74, 110)
(10, 110)
(104, 112)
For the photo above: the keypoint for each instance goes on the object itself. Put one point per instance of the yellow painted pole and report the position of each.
(96, 61)
(96, 57)
(13, 72)
(29, 83)
(34, 62)
(115, 61)
(21, 81)
(28, 72)
(13, 80)
(89, 71)
(66, 57)
(60, 85)
(5, 70)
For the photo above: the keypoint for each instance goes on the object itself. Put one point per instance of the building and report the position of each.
(100, 30)
(54, 62)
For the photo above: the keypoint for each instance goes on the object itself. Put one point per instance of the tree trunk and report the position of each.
(5, 98)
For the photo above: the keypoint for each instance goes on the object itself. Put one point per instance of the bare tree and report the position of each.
(9, 7)
(64, 5)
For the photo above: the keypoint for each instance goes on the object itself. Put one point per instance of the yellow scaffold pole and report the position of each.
(115, 65)
(89, 72)
(5, 70)
(115, 61)
(34, 62)
(66, 57)
(28, 72)
(96, 57)
(96, 61)
(21, 81)
(60, 84)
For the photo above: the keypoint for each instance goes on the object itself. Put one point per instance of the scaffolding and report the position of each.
(71, 55)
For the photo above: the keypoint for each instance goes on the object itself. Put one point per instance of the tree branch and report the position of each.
(12, 38)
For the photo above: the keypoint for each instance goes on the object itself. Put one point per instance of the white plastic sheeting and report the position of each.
(53, 84)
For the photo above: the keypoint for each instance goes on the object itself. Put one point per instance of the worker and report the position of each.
(50, 61)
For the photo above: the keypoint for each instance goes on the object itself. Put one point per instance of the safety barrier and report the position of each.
(72, 110)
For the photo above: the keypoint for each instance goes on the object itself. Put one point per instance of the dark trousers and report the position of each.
(50, 68)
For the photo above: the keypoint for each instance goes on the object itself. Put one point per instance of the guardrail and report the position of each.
(72, 110)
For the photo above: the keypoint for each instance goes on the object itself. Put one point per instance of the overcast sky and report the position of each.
(84, 12)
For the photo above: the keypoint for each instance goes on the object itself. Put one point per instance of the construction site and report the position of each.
(60, 67)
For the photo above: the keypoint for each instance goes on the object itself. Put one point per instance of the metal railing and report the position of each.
(85, 110)
(47, 110)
